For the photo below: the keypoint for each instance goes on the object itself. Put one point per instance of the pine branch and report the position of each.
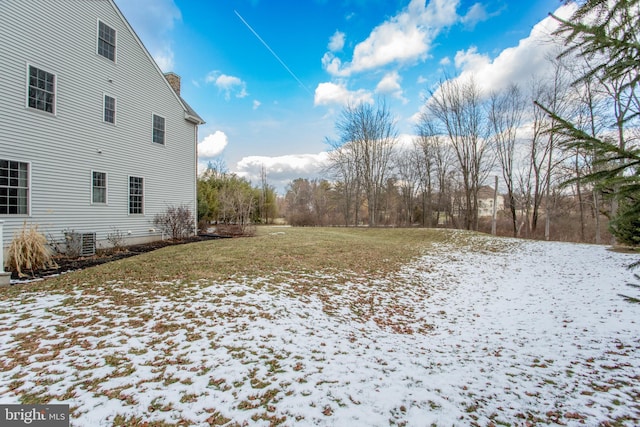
(630, 299)
(610, 29)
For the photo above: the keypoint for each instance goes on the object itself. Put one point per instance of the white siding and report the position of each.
(62, 149)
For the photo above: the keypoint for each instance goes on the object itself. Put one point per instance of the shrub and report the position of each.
(116, 239)
(203, 225)
(176, 222)
(29, 251)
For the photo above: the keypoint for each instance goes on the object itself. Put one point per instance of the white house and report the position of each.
(485, 202)
(93, 138)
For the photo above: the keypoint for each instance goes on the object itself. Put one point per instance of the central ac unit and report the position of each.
(81, 244)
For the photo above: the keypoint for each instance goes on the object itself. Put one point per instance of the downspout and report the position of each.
(195, 181)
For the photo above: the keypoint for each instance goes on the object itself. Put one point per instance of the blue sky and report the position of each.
(270, 76)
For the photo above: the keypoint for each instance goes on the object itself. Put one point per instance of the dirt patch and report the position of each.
(65, 263)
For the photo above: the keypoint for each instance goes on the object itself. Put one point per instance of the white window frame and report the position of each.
(129, 195)
(28, 87)
(106, 188)
(104, 108)
(29, 187)
(115, 42)
(164, 129)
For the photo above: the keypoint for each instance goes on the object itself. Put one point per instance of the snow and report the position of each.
(518, 332)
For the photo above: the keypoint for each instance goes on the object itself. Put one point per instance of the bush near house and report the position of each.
(176, 221)
(29, 251)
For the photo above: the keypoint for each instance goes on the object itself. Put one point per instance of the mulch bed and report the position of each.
(65, 263)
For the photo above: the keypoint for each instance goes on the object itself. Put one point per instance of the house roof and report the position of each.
(485, 192)
(190, 113)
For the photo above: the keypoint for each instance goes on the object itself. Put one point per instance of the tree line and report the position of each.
(463, 138)
(565, 146)
(226, 199)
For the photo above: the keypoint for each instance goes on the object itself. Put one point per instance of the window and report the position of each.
(99, 187)
(42, 90)
(158, 129)
(136, 195)
(14, 188)
(106, 41)
(109, 109)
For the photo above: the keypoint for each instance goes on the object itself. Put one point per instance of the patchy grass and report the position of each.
(321, 325)
(362, 251)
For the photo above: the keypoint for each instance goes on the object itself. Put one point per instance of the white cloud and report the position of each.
(164, 59)
(390, 85)
(281, 170)
(256, 104)
(332, 64)
(477, 13)
(403, 38)
(229, 85)
(330, 93)
(153, 20)
(212, 145)
(336, 43)
(516, 64)
(471, 60)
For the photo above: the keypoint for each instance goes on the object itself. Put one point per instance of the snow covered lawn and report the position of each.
(514, 333)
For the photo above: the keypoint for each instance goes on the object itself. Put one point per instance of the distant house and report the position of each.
(93, 137)
(485, 202)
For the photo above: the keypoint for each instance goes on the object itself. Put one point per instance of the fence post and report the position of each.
(494, 219)
(5, 278)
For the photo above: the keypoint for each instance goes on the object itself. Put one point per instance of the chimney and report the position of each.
(174, 81)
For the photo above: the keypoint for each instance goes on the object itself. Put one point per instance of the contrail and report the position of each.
(273, 53)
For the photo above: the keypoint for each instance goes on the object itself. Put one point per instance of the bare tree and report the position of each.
(264, 187)
(367, 136)
(458, 106)
(320, 191)
(425, 158)
(542, 156)
(407, 164)
(532, 178)
(434, 161)
(299, 203)
(342, 167)
(590, 115)
(557, 103)
(506, 111)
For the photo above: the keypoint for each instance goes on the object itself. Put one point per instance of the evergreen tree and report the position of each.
(605, 33)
